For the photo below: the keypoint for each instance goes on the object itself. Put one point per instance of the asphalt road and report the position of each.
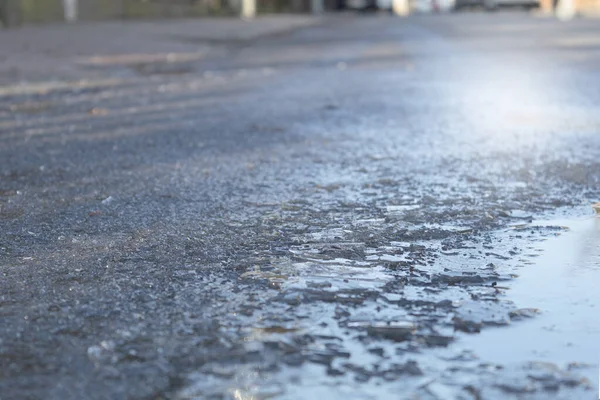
(332, 212)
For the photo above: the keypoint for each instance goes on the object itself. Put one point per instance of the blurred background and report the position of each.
(17, 12)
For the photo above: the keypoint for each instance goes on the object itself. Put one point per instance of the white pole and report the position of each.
(401, 7)
(248, 9)
(70, 10)
(565, 10)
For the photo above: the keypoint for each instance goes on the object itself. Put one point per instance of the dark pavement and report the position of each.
(332, 211)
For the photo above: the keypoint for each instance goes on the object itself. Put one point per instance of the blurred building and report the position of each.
(54, 10)
(588, 7)
(14, 12)
(32, 11)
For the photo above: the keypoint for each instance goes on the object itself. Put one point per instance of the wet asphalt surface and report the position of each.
(328, 212)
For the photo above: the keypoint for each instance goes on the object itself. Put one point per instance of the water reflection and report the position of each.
(563, 284)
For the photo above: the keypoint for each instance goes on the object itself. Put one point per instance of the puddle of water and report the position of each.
(564, 284)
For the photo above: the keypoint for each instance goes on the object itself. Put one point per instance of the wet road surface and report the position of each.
(340, 211)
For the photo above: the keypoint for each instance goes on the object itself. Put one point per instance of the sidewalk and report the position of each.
(72, 52)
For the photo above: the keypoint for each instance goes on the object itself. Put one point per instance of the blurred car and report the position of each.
(427, 6)
(494, 4)
(384, 5)
(360, 5)
(444, 5)
(467, 3)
